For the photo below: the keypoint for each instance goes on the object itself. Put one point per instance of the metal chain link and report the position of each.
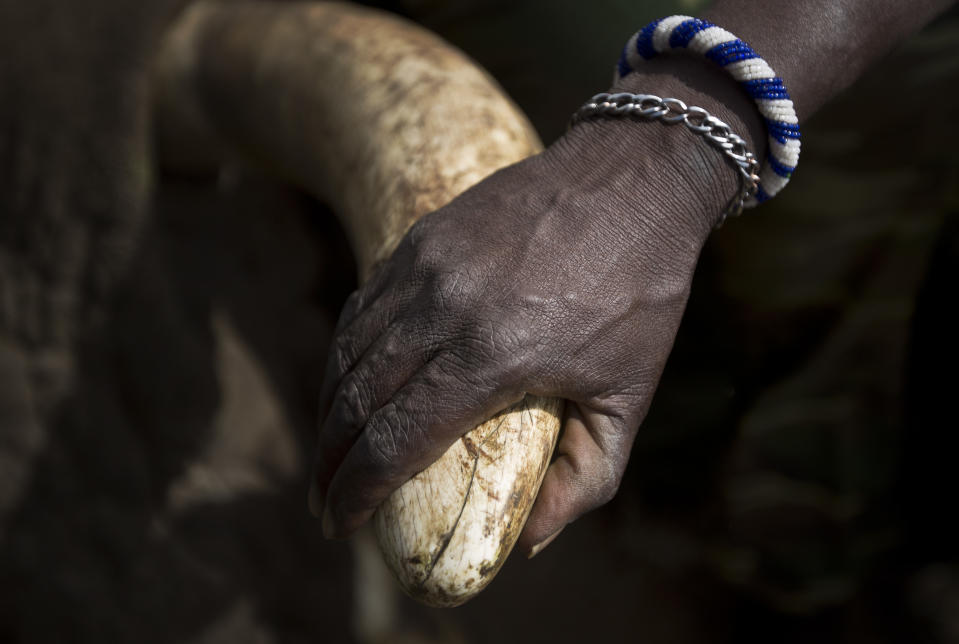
(672, 111)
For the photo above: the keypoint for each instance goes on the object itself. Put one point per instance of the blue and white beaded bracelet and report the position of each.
(678, 33)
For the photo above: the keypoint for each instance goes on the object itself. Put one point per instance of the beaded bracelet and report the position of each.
(676, 33)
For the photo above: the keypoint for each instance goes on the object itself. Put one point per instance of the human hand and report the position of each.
(565, 275)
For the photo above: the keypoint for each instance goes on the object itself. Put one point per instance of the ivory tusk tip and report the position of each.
(448, 530)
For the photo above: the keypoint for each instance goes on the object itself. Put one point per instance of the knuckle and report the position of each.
(354, 400)
(519, 347)
(351, 305)
(349, 311)
(386, 436)
(427, 248)
(343, 352)
(427, 260)
(420, 232)
(382, 450)
(396, 436)
(396, 344)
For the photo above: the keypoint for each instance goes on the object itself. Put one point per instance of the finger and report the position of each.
(366, 313)
(406, 435)
(592, 456)
(353, 335)
(392, 360)
(352, 339)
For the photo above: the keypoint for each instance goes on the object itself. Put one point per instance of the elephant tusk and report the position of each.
(385, 122)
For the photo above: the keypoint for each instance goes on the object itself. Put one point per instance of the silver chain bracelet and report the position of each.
(671, 111)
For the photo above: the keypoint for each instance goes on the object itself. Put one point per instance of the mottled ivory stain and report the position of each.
(386, 123)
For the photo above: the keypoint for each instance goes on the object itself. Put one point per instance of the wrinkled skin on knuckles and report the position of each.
(565, 275)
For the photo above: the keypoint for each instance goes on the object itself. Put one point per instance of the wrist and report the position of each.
(676, 171)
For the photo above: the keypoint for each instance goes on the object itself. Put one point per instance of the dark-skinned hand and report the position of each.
(565, 275)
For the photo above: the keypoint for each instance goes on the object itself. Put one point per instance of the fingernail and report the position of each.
(327, 523)
(538, 548)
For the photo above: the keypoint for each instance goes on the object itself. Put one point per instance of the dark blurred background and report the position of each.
(162, 337)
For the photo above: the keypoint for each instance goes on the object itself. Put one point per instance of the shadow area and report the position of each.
(169, 501)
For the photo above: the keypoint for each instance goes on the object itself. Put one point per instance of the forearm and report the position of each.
(820, 47)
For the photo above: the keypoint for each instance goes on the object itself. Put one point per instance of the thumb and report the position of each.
(592, 455)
